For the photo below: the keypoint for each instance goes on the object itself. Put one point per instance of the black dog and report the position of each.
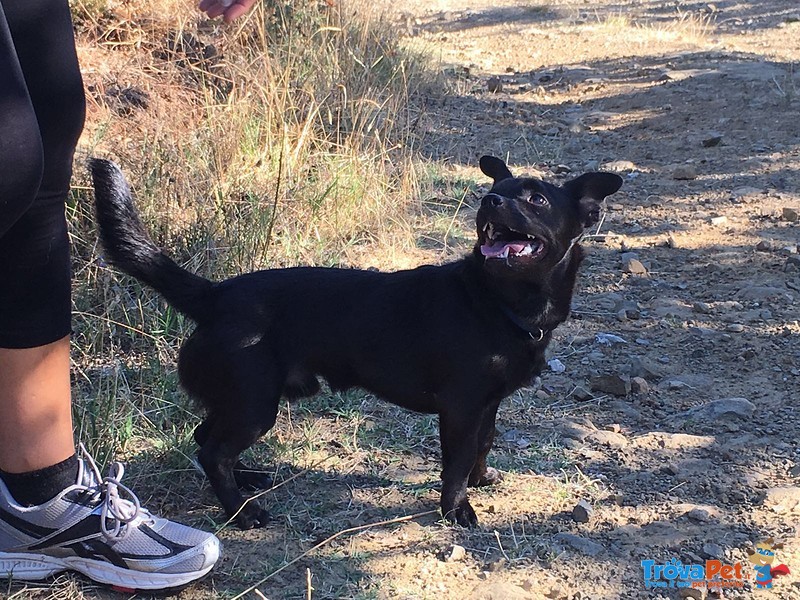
(453, 339)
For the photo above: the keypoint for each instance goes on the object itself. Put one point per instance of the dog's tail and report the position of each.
(129, 247)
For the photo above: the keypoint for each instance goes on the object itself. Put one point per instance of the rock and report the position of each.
(738, 408)
(582, 512)
(764, 246)
(718, 221)
(608, 438)
(616, 385)
(455, 554)
(582, 545)
(619, 166)
(702, 308)
(634, 267)
(498, 591)
(581, 393)
(494, 85)
(684, 172)
(645, 368)
(572, 430)
(701, 515)
(759, 293)
(639, 385)
(711, 550)
(744, 192)
(693, 593)
(496, 565)
(790, 214)
(783, 499)
(735, 328)
(712, 140)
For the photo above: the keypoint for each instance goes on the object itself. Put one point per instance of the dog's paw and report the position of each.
(252, 516)
(463, 515)
(252, 479)
(490, 477)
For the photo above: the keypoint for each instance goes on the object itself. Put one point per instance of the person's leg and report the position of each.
(40, 126)
(57, 513)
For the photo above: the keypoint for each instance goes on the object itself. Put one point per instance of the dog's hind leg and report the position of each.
(248, 410)
(481, 474)
(248, 478)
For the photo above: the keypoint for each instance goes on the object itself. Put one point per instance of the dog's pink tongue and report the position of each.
(498, 248)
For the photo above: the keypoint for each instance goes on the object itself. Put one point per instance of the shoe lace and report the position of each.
(117, 512)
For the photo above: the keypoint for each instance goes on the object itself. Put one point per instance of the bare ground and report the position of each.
(696, 104)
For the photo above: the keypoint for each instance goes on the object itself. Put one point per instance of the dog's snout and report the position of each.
(492, 200)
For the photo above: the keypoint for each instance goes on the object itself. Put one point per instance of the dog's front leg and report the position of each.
(458, 431)
(481, 474)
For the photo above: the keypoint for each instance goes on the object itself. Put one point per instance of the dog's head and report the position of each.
(527, 225)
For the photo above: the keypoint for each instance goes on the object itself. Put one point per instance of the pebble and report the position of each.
(639, 385)
(494, 85)
(702, 308)
(619, 166)
(608, 438)
(790, 214)
(783, 499)
(456, 553)
(712, 140)
(582, 545)
(581, 393)
(726, 407)
(684, 172)
(616, 385)
(582, 512)
(634, 267)
(735, 328)
(694, 593)
(764, 246)
(718, 221)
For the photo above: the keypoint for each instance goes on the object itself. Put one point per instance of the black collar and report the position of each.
(537, 333)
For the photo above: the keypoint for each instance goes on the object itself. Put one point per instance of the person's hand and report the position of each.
(228, 9)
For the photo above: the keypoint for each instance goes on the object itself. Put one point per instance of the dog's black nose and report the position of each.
(492, 200)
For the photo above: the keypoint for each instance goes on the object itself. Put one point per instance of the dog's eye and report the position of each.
(538, 200)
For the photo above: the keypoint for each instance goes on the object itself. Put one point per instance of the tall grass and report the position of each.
(286, 139)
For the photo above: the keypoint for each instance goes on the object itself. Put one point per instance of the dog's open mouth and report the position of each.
(502, 242)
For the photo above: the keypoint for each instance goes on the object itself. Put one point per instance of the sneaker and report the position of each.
(92, 529)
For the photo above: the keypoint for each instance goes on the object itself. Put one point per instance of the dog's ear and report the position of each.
(589, 190)
(495, 168)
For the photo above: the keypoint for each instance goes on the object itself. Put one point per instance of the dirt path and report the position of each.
(695, 271)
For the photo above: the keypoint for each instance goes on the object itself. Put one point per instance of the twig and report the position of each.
(330, 539)
(500, 545)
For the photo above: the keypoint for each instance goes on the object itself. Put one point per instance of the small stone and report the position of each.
(639, 385)
(582, 512)
(494, 85)
(716, 409)
(456, 553)
(496, 565)
(616, 385)
(641, 366)
(711, 550)
(790, 214)
(684, 172)
(693, 593)
(614, 427)
(608, 438)
(712, 140)
(735, 328)
(580, 544)
(783, 499)
(702, 308)
(581, 393)
(764, 246)
(742, 193)
(619, 166)
(795, 471)
(634, 267)
(718, 221)
(701, 515)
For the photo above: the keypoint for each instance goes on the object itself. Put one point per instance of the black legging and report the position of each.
(42, 108)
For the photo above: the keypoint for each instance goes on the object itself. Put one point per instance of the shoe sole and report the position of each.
(35, 567)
